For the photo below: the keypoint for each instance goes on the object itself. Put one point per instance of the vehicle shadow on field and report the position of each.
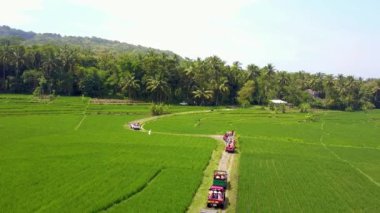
(229, 186)
(226, 204)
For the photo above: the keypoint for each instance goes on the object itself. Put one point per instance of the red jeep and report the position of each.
(230, 147)
(216, 197)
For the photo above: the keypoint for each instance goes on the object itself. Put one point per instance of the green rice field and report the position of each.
(68, 155)
(291, 163)
(71, 156)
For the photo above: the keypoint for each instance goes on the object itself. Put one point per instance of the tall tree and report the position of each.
(5, 57)
(220, 87)
(253, 72)
(245, 95)
(18, 56)
(283, 82)
(158, 85)
(203, 95)
(130, 83)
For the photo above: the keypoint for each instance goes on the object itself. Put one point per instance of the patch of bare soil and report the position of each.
(114, 101)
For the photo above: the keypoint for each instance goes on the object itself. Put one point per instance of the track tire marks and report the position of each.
(128, 196)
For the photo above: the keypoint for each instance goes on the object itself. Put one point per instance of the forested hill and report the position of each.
(94, 43)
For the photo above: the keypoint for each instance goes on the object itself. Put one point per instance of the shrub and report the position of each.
(244, 103)
(349, 109)
(304, 107)
(158, 109)
(271, 106)
(318, 103)
(277, 108)
(311, 117)
(52, 96)
(367, 106)
(37, 91)
(282, 108)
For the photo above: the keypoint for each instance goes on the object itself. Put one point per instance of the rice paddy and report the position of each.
(49, 164)
(291, 164)
(69, 155)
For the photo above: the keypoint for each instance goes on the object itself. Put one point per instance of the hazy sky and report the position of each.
(331, 36)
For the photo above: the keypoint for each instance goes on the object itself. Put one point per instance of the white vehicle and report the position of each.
(183, 103)
(135, 126)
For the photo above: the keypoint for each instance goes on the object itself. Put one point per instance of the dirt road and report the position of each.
(226, 162)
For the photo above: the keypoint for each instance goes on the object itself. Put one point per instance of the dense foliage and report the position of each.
(161, 77)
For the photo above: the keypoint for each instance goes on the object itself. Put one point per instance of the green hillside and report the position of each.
(93, 43)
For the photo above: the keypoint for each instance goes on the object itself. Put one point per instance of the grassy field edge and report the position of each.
(199, 199)
(234, 187)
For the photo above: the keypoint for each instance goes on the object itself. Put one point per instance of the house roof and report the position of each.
(278, 101)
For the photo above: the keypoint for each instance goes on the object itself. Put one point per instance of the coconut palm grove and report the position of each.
(49, 64)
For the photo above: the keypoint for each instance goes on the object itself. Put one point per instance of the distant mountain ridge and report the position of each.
(32, 38)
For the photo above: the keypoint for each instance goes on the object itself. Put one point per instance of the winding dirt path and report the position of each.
(226, 162)
(226, 157)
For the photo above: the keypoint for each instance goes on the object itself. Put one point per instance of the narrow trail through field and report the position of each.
(84, 115)
(226, 162)
(344, 160)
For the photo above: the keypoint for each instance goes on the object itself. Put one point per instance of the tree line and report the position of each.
(167, 78)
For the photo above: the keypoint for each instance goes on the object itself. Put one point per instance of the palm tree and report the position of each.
(340, 84)
(316, 83)
(283, 79)
(189, 79)
(301, 79)
(5, 53)
(18, 54)
(215, 65)
(267, 83)
(49, 66)
(130, 83)
(158, 85)
(352, 92)
(203, 95)
(329, 85)
(270, 69)
(332, 97)
(253, 71)
(220, 87)
(376, 94)
(283, 82)
(67, 56)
